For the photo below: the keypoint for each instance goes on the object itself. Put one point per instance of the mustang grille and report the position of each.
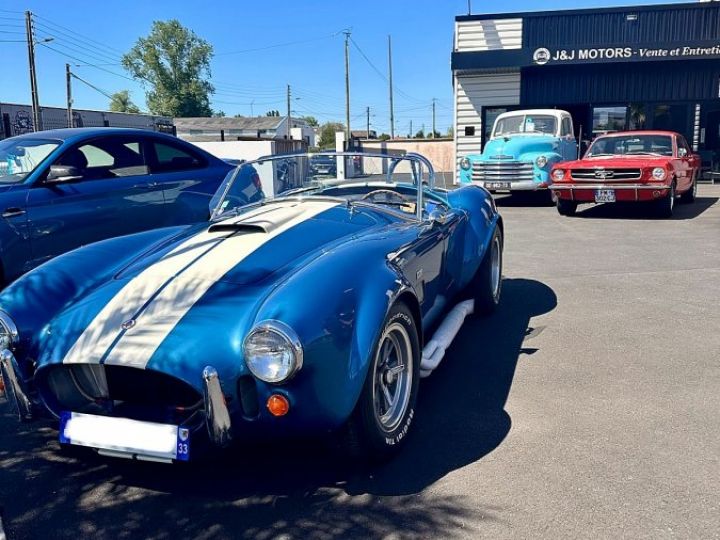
(605, 175)
(489, 171)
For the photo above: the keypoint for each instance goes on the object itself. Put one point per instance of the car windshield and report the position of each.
(385, 180)
(526, 124)
(631, 145)
(20, 157)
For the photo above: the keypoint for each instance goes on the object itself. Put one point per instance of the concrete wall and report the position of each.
(247, 150)
(438, 151)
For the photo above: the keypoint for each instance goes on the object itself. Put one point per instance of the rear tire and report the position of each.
(382, 416)
(566, 208)
(664, 207)
(691, 194)
(486, 286)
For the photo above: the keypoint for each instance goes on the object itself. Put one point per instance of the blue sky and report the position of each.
(98, 32)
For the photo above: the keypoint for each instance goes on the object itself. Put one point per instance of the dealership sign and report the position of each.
(543, 55)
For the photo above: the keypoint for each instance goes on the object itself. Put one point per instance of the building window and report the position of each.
(469, 131)
(608, 119)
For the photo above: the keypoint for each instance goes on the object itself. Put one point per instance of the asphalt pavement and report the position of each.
(586, 407)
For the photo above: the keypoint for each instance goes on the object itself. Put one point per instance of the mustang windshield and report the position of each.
(389, 181)
(19, 158)
(526, 124)
(631, 145)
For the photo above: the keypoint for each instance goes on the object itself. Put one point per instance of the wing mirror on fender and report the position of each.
(63, 173)
(437, 216)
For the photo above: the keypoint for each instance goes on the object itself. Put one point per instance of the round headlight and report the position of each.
(273, 352)
(8, 331)
(658, 173)
(541, 161)
(558, 174)
(465, 164)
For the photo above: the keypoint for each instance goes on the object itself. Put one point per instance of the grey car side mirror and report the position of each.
(63, 173)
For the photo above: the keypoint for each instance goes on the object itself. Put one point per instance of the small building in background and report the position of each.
(363, 134)
(197, 129)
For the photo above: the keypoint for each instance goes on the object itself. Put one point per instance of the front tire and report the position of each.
(691, 194)
(386, 408)
(566, 208)
(486, 286)
(664, 207)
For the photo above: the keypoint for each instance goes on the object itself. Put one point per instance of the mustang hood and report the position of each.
(516, 146)
(634, 162)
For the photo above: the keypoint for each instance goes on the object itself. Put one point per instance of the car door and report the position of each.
(684, 166)
(97, 189)
(568, 144)
(189, 179)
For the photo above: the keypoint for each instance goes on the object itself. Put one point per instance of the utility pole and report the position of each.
(68, 83)
(469, 7)
(433, 118)
(252, 112)
(347, 87)
(367, 130)
(390, 85)
(411, 133)
(29, 32)
(289, 133)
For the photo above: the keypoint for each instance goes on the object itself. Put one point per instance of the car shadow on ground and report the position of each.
(644, 210)
(293, 488)
(523, 199)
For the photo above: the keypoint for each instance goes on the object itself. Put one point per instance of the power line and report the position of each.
(75, 33)
(103, 92)
(277, 45)
(66, 55)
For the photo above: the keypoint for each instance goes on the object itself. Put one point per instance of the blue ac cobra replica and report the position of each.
(306, 310)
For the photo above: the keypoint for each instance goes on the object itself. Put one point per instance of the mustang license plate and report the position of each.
(604, 195)
(125, 437)
(497, 185)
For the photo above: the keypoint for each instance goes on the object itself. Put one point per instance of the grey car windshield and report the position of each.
(20, 157)
(528, 124)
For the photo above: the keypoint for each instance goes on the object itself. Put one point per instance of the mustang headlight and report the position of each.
(558, 174)
(8, 331)
(658, 173)
(541, 161)
(273, 352)
(465, 164)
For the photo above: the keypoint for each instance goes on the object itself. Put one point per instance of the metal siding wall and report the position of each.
(666, 81)
(474, 92)
(488, 35)
(598, 29)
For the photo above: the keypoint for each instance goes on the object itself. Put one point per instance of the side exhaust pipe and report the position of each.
(434, 350)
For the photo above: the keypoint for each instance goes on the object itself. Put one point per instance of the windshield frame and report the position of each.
(33, 138)
(524, 115)
(673, 148)
(418, 160)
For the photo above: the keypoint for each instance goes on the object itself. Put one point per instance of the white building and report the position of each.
(238, 128)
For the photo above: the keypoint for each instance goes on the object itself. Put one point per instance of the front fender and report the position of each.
(542, 174)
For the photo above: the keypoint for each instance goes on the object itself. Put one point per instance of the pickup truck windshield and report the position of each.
(19, 158)
(527, 124)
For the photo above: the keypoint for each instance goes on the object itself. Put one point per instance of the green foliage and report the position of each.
(218, 114)
(384, 137)
(174, 64)
(274, 112)
(310, 121)
(121, 102)
(420, 134)
(327, 133)
(430, 135)
(450, 132)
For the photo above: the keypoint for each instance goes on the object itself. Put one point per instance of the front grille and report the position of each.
(499, 171)
(605, 175)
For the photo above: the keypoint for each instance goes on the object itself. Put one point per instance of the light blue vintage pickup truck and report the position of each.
(523, 147)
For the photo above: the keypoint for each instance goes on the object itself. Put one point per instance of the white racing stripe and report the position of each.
(187, 272)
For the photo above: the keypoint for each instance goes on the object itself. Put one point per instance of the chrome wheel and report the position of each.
(392, 376)
(495, 267)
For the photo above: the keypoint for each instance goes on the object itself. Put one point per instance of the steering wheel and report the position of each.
(393, 197)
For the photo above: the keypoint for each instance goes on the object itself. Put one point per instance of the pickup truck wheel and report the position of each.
(566, 208)
(486, 285)
(383, 414)
(691, 194)
(664, 207)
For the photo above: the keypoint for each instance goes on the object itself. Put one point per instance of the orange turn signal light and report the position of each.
(278, 405)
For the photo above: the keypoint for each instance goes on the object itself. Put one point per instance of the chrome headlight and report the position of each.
(273, 352)
(558, 174)
(658, 173)
(465, 164)
(8, 331)
(541, 161)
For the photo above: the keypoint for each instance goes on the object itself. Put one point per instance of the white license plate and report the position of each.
(604, 195)
(497, 185)
(124, 436)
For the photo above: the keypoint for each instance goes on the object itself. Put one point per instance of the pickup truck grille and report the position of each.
(605, 175)
(489, 171)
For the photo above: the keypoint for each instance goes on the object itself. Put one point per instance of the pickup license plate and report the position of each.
(497, 185)
(604, 195)
(125, 437)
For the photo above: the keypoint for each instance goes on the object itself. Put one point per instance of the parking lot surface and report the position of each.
(586, 407)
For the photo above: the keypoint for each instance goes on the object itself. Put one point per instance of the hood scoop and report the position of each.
(239, 227)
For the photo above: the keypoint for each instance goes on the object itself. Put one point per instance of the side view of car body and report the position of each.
(303, 312)
(635, 166)
(61, 189)
(522, 150)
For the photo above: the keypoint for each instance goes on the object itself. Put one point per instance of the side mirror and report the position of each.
(437, 216)
(63, 173)
(682, 152)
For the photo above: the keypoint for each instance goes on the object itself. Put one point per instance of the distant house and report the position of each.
(363, 134)
(238, 128)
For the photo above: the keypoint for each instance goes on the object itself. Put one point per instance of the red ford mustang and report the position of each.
(653, 166)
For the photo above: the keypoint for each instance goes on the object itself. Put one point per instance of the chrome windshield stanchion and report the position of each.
(15, 386)
(217, 416)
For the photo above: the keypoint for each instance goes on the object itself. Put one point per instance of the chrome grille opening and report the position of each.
(506, 170)
(606, 175)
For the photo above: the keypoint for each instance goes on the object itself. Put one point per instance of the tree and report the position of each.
(120, 102)
(450, 132)
(327, 133)
(174, 64)
(430, 135)
(274, 112)
(384, 137)
(310, 121)
(420, 134)
(218, 114)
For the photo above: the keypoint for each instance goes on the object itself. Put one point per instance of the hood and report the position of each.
(519, 145)
(630, 162)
